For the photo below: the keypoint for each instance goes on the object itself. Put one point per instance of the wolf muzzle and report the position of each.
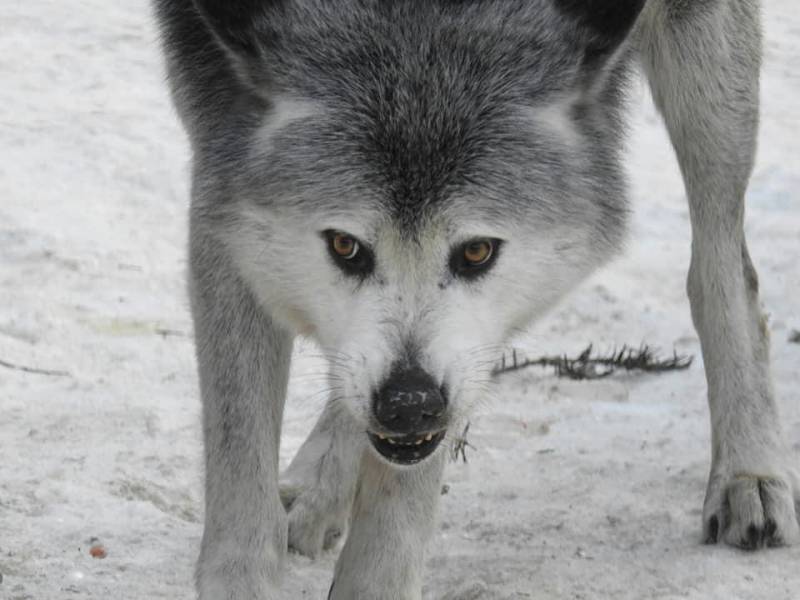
(410, 416)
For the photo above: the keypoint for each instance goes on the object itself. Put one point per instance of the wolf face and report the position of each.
(411, 183)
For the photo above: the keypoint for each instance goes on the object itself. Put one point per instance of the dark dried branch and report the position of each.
(25, 369)
(585, 366)
(166, 332)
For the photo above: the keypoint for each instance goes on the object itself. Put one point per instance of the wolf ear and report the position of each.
(235, 25)
(604, 25)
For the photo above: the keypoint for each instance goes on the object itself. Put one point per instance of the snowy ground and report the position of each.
(576, 490)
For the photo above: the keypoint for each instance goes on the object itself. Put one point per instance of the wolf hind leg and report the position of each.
(703, 63)
(318, 486)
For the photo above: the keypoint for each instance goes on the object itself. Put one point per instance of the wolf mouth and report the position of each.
(406, 449)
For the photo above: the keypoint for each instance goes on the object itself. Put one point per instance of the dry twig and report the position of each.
(585, 366)
(24, 369)
(460, 446)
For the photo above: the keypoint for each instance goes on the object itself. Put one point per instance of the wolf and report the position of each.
(409, 183)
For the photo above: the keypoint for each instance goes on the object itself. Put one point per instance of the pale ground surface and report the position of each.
(576, 490)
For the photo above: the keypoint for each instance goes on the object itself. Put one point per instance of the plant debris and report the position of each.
(586, 366)
(166, 332)
(97, 549)
(794, 337)
(26, 369)
(460, 446)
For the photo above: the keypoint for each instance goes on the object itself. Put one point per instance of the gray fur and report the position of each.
(415, 125)
(703, 62)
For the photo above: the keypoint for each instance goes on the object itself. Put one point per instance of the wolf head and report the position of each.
(408, 182)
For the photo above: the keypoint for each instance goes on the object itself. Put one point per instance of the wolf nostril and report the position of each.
(409, 401)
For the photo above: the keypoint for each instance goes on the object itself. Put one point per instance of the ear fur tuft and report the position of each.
(235, 23)
(607, 22)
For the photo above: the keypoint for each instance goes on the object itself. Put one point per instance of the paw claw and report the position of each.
(770, 528)
(753, 539)
(713, 530)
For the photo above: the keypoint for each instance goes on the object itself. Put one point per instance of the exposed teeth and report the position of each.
(407, 444)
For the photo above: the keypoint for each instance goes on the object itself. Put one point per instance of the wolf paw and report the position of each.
(317, 519)
(751, 512)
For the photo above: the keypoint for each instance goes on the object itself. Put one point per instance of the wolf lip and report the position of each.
(406, 449)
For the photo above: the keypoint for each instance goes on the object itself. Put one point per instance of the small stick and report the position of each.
(166, 332)
(25, 369)
(586, 367)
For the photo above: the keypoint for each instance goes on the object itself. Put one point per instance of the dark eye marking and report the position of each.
(349, 254)
(474, 258)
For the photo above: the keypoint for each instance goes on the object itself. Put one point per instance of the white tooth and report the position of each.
(429, 438)
(390, 441)
(418, 442)
(381, 436)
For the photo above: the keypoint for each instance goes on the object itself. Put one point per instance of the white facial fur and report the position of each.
(457, 326)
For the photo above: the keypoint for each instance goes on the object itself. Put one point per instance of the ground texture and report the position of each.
(573, 490)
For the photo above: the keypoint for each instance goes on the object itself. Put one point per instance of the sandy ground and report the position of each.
(574, 490)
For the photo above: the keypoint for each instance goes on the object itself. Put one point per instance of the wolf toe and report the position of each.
(752, 512)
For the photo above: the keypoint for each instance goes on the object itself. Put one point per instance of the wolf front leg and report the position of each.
(243, 360)
(394, 516)
(703, 62)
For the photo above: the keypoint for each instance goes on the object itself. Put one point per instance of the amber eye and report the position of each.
(478, 252)
(344, 246)
(351, 256)
(474, 258)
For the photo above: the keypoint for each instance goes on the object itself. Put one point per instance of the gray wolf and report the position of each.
(409, 183)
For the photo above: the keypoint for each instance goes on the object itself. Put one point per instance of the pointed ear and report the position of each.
(235, 25)
(604, 24)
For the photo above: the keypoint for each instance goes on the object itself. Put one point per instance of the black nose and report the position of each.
(409, 401)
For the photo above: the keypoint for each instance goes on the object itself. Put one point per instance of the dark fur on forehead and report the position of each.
(419, 97)
(422, 90)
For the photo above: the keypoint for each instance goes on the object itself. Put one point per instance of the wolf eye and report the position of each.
(478, 252)
(345, 246)
(350, 255)
(474, 258)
